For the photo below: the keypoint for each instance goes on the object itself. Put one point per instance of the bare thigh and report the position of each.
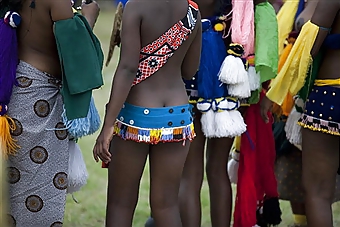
(166, 167)
(125, 172)
(320, 161)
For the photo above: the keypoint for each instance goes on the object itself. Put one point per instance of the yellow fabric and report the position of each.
(285, 20)
(300, 219)
(292, 76)
(288, 102)
(74, 10)
(237, 143)
(330, 82)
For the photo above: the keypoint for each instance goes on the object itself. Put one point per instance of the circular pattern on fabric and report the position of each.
(57, 224)
(18, 128)
(11, 221)
(38, 155)
(60, 134)
(24, 82)
(34, 203)
(42, 108)
(60, 181)
(13, 175)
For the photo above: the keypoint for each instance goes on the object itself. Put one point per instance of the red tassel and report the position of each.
(256, 178)
(246, 199)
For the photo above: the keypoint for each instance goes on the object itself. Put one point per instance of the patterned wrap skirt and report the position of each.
(37, 174)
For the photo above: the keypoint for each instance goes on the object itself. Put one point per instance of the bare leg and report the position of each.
(218, 180)
(192, 179)
(320, 161)
(125, 172)
(166, 167)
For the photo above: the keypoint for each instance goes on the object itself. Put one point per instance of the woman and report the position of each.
(148, 114)
(289, 164)
(320, 146)
(38, 163)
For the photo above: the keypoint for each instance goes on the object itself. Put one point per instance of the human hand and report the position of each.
(101, 148)
(90, 11)
(266, 106)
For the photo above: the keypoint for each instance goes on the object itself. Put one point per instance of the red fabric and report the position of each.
(256, 177)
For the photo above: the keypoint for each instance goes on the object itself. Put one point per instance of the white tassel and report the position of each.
(293, 130)
(233, 165)
(223, 124)
(208, 123)
(241, 90)
(232, 71)
(238, 126)
(77, 172)
(254, 78)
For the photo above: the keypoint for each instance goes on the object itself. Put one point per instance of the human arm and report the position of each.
(324, 15)
(191, 60)
(123, 78)
(62, 10)
(91, 12)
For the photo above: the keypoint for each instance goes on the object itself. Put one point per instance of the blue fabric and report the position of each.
(212, 55)
(324, 103)
(301, 7)
(155, 118)
(122, 1)
(332, 41)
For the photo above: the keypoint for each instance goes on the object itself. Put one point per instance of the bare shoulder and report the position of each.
(325, 12)
(59, 10)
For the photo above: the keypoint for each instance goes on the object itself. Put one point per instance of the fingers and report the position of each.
(95, 153)
(102, 151)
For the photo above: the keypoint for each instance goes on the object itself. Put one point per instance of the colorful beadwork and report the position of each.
(156, 54)
(322, 112)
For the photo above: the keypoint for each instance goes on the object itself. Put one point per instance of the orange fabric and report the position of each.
(288, 102)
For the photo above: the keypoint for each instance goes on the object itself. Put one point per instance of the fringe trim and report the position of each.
(308, 122)
(154, 136)
(8, 144)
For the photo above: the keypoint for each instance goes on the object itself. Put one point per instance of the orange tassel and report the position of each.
(7, 143)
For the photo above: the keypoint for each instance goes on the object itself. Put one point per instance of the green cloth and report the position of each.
(81, 59)
(266, 45)
(311, 76)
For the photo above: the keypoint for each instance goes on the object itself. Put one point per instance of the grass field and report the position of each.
(90, 212)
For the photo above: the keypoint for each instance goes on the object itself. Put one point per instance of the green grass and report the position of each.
(90, 212)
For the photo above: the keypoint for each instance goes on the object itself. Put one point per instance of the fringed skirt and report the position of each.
(155, 125)
(37, 175)
(322, 111)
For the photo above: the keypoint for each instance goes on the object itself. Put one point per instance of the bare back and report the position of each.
(37, 45)
(165, 87)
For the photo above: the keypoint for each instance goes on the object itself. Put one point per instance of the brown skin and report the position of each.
(216, 167)
(320, 154)
(37, 44)
(164, 88)
(320, 151)
(306, 14)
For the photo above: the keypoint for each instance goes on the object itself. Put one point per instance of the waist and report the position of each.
(27, 73)
(156, 118)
